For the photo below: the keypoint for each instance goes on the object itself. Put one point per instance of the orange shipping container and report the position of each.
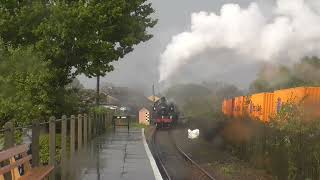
(223, 108)
(227, 107)
(239, 106)
(261, 106)
(307, 97)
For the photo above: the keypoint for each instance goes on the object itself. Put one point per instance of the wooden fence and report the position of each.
(86, 126)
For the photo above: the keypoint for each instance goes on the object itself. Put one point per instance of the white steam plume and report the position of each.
(293, 31)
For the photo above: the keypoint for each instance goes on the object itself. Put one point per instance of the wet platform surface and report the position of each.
(116, 155)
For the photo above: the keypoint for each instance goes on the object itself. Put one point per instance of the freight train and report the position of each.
(263, 106)
(165, 114)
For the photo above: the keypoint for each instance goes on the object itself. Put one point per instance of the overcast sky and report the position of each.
(139, 69)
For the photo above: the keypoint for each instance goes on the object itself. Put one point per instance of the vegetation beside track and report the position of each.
(286, 148)
(213, 157)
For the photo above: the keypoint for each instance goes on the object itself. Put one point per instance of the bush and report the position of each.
(44, 148)
(288, 147)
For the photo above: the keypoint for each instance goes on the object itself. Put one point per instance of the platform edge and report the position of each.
(153, 163)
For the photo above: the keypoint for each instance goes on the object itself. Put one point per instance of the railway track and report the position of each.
(173, 162)
(157, 154)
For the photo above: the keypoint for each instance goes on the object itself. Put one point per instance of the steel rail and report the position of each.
(182, 153)
(157, 154)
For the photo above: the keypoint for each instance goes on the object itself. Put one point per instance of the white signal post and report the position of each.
(147, 116)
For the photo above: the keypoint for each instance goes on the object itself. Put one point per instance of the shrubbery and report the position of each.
(288, 147)
(44, 148)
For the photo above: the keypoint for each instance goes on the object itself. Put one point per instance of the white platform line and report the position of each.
(153, 163)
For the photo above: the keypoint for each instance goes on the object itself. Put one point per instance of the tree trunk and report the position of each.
(98, 91)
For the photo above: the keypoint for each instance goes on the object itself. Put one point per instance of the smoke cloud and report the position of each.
(290, 32)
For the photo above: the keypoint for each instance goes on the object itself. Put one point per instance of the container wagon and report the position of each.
(239, 106)
(308, 98)
(264, 105)
(261, 106)
(227, 107)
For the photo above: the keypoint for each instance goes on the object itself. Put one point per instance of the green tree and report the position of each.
(25, 91)
(273, 77)
(77, 36)
(85, 35)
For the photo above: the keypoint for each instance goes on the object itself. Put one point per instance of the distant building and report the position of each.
(144, 116)
(153, 98)
(106, 99)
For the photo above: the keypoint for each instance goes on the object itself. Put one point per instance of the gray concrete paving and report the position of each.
(116, 155)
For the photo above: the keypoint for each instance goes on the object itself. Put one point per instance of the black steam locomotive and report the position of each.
(165, 114)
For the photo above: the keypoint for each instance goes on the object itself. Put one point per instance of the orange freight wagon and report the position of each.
(261, 106)
(239, 106)
(307, 97)
(223, 107)
(227, 107)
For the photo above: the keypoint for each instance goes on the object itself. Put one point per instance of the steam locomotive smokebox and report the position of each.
(144, 116)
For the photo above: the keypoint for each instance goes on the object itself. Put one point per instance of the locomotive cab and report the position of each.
(165, 114)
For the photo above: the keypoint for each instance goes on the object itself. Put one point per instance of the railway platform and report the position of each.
(121, 154)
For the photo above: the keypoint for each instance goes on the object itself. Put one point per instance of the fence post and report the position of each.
(63, 146)
(90, 126)
(79, 132)
(35, 148)
(52, 144)
(85, 129)
(105, 121)
(98, 124)
(94, 122)
(9, 135)
(109, 117)
(72, 136)
(101, 124)
(128, 119)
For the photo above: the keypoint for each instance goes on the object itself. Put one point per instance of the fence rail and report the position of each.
(80, 130)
